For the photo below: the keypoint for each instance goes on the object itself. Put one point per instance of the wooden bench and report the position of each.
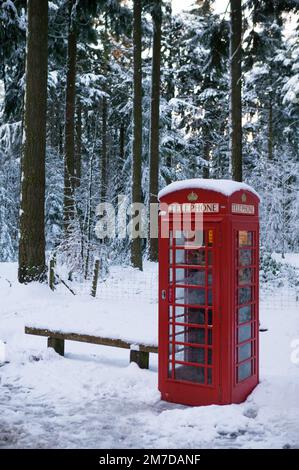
(56, 340)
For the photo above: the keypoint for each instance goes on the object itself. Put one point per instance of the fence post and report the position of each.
(52, 272)
(95, 278)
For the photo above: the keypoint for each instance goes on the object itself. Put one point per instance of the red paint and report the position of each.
(208, 326)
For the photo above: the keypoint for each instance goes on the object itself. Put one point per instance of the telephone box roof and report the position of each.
(225, 187)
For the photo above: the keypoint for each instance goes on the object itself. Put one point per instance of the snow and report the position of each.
(225, 187)
(93, 397)
(289, 258)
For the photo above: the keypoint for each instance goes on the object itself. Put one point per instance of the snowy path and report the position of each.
(92, 398)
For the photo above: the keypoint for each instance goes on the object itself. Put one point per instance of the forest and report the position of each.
(122, 98)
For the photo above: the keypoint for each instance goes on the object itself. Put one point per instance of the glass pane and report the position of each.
(189, 238)
(245, 257)
(190, 354)
(170, 370)
(245, 295)
(210, 258)
(210, 355)
(170, 257)
(180, 313)
(245, 313)
(189, 296)
(244, 352)
(190, 373)
(210, 278)
(170, 275)
(190, 276)
(245, 276)
(209, 376)
(245, 238)
(210, 297)
(244, 333)
(244, 371)
(170, 238)
(170, 312)
(185, 334)
(210, 337)
(210, 317)
(196, 316)
(190, 257)
(170, 331)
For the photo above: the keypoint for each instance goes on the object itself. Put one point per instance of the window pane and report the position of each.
(170, 275)
(245, 257)
(190, 354)
(190, 315)
(245, 313)
(245, 276)
(190, 276)
(190, 296)
(196, 316)
(244, 352)
(244, 371)
(170, 257)
(245, 238)
(185, 334)
(244, 333)
(210, 317)
(209, 376)
(210, 278)
(187, 238)
(190, 257)
(210, 297)
(170, 312)
(190, 373)
(210, 355)
(210, 337)
(210, 258)
(245, 295)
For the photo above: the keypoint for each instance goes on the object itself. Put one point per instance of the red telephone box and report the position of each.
(208, 294)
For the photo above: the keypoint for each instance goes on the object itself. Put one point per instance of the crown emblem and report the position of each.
(192, 196)
(244, 197)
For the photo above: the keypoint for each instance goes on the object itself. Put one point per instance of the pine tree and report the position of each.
(32, 230)
(154, 157)
(236, 88)
(136, 246)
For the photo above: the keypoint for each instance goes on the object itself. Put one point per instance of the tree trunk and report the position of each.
(104, 150)
(270, 132)
(69, 145)
(78, 145)
(236, 88)
(136, 246)
(155, 121)
(32, 266)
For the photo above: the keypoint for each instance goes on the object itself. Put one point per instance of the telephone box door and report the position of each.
(189, 329)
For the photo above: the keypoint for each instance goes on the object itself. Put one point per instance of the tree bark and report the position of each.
(136, 245)
(104, 150)
(78, 145)
(236, 88)
(32, 266)
(270, 132)
(155, 120)
(69, 144)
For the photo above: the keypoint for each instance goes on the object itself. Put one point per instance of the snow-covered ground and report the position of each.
(93, 397)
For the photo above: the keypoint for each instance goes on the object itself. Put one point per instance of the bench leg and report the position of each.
(57, 345)
(141, 358)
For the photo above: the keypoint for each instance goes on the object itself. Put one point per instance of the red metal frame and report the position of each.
(207, 373)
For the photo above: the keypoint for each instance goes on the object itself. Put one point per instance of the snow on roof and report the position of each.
(225, 187)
